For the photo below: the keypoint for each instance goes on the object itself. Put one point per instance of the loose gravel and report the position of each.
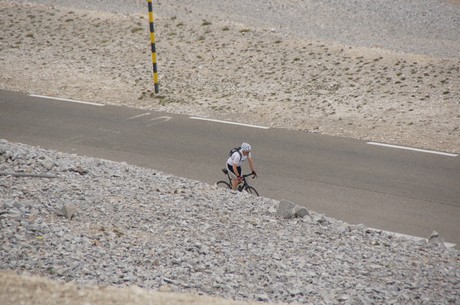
(98, 222)
(420, 27)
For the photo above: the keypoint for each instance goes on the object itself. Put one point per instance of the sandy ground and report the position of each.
(215, 68)
(26, 289)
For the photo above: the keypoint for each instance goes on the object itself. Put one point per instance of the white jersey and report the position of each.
(236, 159)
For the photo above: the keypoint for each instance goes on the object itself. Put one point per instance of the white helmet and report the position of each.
(245, 147)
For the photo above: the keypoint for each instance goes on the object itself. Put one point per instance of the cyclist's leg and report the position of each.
(233, 176)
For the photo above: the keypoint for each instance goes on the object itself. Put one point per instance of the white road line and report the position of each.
(164, 118)
(66, 100)
(159, 119)
(110, 131)
(228, 122)
(414, 149)
(138, 116)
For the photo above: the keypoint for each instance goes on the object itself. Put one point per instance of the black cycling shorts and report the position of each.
(230, 168)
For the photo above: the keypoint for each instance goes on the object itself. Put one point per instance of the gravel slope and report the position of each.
(420, 27)
(105, 223)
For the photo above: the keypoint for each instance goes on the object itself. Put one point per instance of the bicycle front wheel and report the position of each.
(251, 190)
(223, 184)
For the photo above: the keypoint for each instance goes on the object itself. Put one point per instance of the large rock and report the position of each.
(436, 240)
(288, 210)
(68, 210)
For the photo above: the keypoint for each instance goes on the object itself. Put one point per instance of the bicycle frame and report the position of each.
(243, 185)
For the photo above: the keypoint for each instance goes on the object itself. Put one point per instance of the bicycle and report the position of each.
(243, 186)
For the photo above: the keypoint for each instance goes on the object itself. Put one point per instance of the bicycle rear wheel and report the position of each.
(251, 190)
(223, 184)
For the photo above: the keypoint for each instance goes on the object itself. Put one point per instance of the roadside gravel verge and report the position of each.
(112, 224)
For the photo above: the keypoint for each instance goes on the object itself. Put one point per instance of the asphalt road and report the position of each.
(404, 191)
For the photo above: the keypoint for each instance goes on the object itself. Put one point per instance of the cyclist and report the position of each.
(235, 160)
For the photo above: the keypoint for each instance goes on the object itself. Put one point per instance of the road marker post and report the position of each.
(152, 44)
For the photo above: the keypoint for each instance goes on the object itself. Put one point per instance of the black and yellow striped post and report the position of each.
(152, 42)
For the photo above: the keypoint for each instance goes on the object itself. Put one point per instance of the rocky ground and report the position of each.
(95, 222)
(230, 64)
(381, 71)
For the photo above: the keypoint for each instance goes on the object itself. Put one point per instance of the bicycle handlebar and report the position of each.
(247, 175)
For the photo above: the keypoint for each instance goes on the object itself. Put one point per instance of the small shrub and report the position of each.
(136, 29)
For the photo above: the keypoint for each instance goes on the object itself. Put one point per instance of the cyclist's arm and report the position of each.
(251, 163)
